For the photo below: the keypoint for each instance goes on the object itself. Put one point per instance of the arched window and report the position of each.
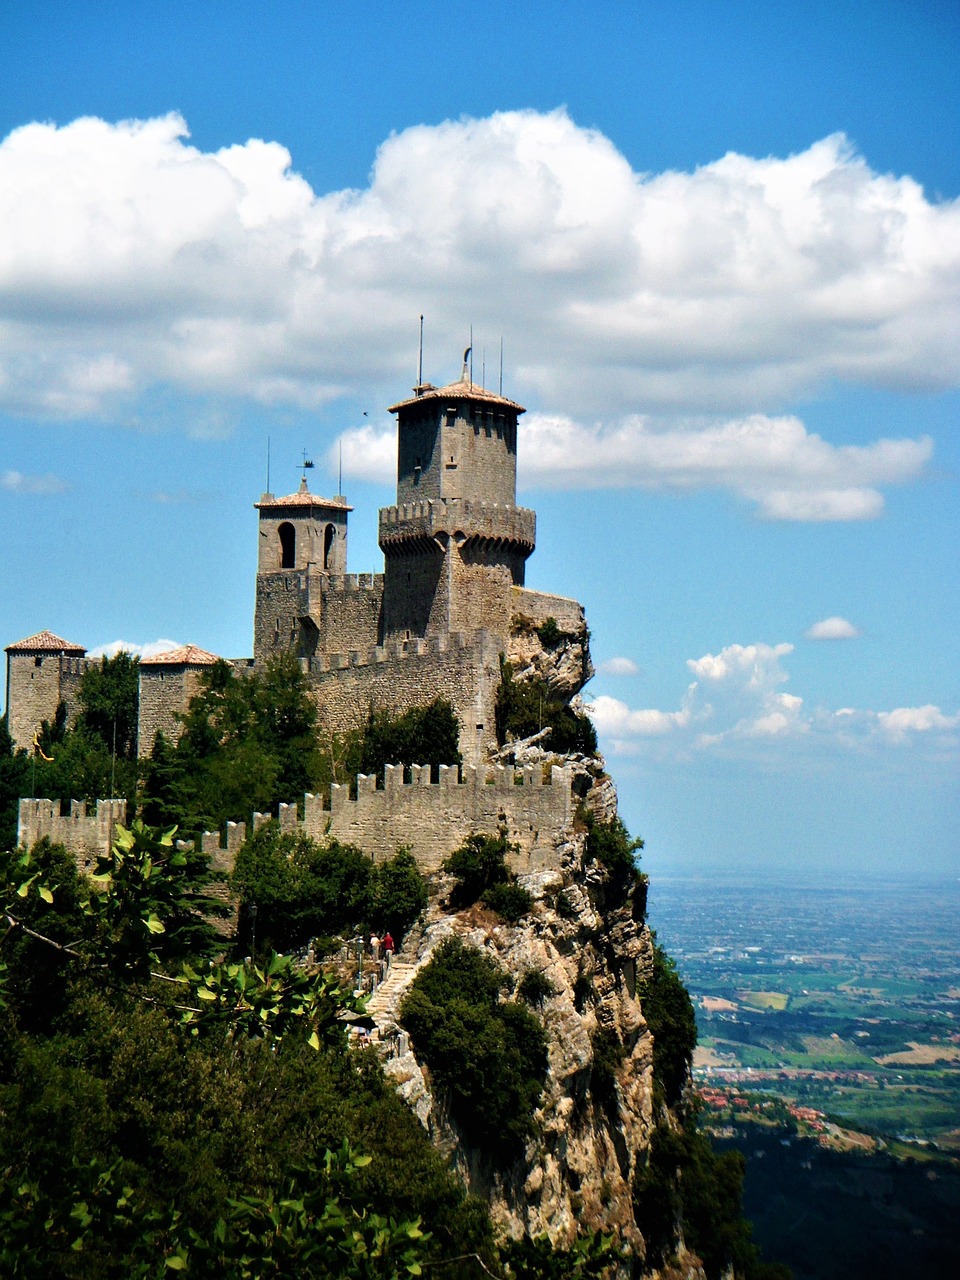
(329, 538)
(288, 546)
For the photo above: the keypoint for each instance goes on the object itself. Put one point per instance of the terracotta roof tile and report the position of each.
(459, 391)
(46, 642)
(188, 655)
(303, 498)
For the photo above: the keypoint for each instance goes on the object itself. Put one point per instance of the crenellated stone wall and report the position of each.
(431, 818)
(84, 834)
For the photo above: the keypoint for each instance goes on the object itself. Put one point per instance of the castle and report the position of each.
(450, 604)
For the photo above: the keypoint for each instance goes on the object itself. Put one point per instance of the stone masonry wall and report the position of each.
(399, 676)
(36, 685)
(84, 835)
(164, 691)
(432, 819)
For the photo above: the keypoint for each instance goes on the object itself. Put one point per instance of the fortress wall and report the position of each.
(539, 606)
(84, 835)
(483, 576)
(164, 691)
(398, 677)
(432, 819)
(37, 684)
(282, 598)
(350, 617)
(416, 601)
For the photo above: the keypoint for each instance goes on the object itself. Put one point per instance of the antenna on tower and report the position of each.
(340, 470)
(267, 490)
(501, 364)
(471, 355)
(483, 368)
(420, 360)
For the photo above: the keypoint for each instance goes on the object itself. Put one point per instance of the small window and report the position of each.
(329, 538)
(38, 661)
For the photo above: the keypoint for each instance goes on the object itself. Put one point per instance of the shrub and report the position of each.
(549, 633)
(669, 1015)
(398, 893)
(301, 889)
(608, 1054)
(489, 1057)
(611, 844)
(509, 901)
(525, 707)
(479, 864)
(535, 987)
(423, 735)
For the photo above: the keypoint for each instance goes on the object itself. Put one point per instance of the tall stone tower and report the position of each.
(456, 541)
(42, 671)
(303, 541)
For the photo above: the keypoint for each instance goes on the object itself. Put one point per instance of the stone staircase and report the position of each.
(385, 1001)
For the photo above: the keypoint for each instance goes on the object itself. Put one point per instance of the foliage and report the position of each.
(611, 844)
(41, 892)
(687, 1187)
(14, 772)
(535, 987)
(146, 902)
(550, 634)
(109, 701)
(524, 707)
(398, 893)
(304, 889)
(608, 1055)
(248, 742)
(268, 1001)
(423, 735)
(669, 1015)
(488, 1056)
(590, 1257)
(478, 865)
(510, 901)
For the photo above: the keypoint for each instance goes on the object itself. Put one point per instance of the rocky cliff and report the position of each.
(586, 936)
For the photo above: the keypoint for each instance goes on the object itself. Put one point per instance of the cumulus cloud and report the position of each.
(619, 667)
(148, 650)
(787, 472)
(736, 702)
(130, 258)
(833, 628)
(17, 482)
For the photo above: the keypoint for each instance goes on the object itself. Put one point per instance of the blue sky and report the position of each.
(722, 245)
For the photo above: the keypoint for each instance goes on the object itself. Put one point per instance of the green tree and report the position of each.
(398, 893)
(525, 707)
(669, 1014)
(109, 701)
(488, 1056)
(14, 772)
(427, 735)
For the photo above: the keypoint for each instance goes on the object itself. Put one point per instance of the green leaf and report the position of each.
(204, 993)
(155, 924)
(314, 1040)
(45, 893)
(176, 1263)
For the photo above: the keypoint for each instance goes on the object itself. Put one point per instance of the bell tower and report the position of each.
(456, 540)
(303, 540)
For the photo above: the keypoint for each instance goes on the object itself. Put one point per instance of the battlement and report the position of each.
(432, 818)
(354, 582)
(85, 835)
(457, 517)
(393, 650)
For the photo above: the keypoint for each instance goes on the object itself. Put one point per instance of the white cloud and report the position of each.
(833, 628)
(17, 482)
(736, 704)
(129, 258)
(148, 650)
(619, 667)
(789, 472)
(775, 463)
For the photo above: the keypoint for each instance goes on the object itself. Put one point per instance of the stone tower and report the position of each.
(456, 541)
(303, 541)
(42, 671)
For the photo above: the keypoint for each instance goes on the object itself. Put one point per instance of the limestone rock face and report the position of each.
(577, 1173)
(562, 658)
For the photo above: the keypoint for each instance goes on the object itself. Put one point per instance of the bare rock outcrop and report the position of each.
(545, 652)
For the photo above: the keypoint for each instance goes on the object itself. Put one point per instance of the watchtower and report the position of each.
(456, 541)
(303, 540)
(42, 671)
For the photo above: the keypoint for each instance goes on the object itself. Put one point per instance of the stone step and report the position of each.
(385, 999)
